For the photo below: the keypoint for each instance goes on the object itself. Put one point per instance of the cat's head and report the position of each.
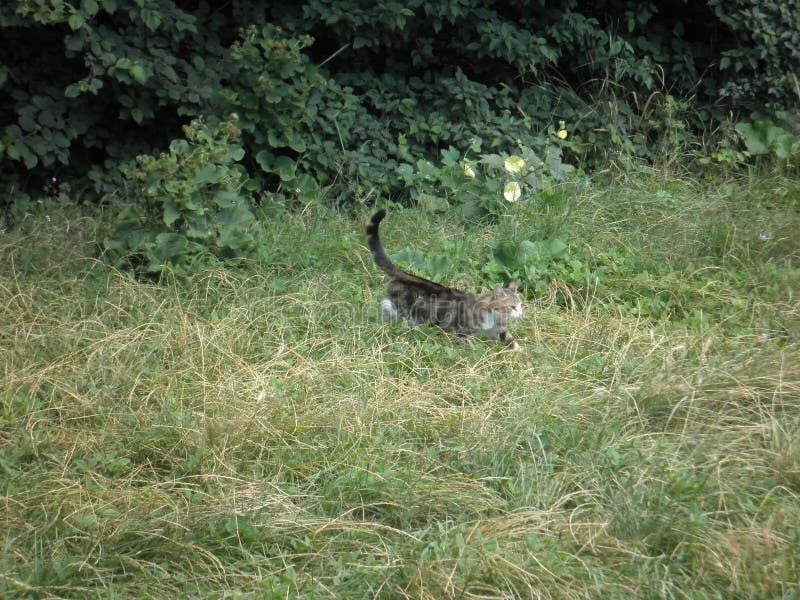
(506, 302)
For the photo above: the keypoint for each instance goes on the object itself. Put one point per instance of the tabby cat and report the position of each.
(420, 301)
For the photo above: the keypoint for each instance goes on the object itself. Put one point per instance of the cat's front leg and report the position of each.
(509, 341)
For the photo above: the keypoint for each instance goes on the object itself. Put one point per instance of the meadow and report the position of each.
(258, 432)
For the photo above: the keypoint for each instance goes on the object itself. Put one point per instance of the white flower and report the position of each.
(514, 164)
(468, 172)
(512, 191)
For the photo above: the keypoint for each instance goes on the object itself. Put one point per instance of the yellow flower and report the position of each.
(468, 172)
(561, 134)
(514, 164)
(512, 191)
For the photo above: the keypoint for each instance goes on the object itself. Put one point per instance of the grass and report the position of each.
(258, 433)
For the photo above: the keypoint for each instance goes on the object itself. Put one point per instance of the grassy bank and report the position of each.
(258, 433)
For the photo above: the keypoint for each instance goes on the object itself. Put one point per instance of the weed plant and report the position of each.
(258, 433)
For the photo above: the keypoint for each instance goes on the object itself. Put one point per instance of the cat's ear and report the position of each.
(512, 287)
(498, 291)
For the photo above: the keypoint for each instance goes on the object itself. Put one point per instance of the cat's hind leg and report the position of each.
(389, 312)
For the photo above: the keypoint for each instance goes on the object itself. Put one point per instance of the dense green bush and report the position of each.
(295, 120)
(343, 98)
(93, 84)
(188, 207)
(760, 70)
(442, 74)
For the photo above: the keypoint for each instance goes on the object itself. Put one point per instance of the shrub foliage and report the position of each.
(189, 206)
(343, 97)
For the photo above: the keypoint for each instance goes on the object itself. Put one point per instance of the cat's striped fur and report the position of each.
(423, 302)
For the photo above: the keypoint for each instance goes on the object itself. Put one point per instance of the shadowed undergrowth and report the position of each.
(257, 432)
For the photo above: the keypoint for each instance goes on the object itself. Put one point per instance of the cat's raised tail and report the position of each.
(376, 247)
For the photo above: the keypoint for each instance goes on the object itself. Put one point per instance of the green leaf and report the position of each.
(415, 260)
(90, 7)
(227, 198)
(18, 149)
(152, 19)
(494, 161)
(779, 140)
(236, 239)
(200, 229)
(555, 167)
(505, 253)
(167, 247)
(265, 160)
(209, 174)
(427, 169)
(48, 119)
(76, 21)
(180, 147)
(26, 121)
(755, 140)
(284, 167)
(138, 73)
(450, 157)
(528, 251)
(783, 146)
(306, 188)
(275, 139)
(171, 212)
(30, 159)
(533, 180)
(297, 144)
(557, 247)
(235, 216)
(406, 172)
(236, 153)
(129, 236)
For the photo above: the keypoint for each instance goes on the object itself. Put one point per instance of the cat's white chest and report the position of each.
(491, 326)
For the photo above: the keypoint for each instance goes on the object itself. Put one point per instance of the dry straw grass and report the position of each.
(259, 434)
